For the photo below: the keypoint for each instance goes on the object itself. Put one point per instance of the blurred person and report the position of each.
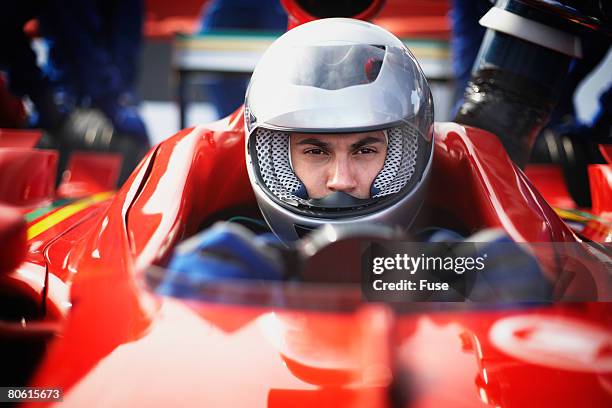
(18, 60)
(557, 123)
(94, 47)
(84, 94)
(467, 36)
(465, 41)
(227, 94)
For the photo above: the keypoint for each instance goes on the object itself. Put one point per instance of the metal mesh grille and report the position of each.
(400, 162)
(273, 156)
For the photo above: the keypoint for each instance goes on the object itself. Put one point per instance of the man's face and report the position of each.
(347, 162)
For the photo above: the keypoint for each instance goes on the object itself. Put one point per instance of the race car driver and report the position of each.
(339, 129)
(339, 126)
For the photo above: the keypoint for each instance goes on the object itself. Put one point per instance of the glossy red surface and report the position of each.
(548, 179)
(122, 345)
(19, 137)
(27, 183)
(600, 179)
(89, 173)
(27, 177)
(475, 182)
(62, 245)
(37, 246)
(281, 358)
(13, 239)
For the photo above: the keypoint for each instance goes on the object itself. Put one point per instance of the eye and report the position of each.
(365, 150)
(315, 151)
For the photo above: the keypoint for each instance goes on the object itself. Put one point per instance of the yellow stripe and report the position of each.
(567, 215)
(69, 210)
(224, 45)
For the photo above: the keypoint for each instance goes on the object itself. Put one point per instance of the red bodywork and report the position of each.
(112, 342)
(117, 344)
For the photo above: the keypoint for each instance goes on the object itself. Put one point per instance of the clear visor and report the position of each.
(338, 87)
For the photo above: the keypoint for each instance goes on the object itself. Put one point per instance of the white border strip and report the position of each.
(532, 31)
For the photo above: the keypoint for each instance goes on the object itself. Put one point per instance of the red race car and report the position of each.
(77, 265)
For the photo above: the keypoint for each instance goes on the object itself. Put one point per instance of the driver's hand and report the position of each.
(223, 252)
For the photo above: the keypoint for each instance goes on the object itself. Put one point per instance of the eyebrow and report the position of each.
(366, 141)
(322, 145)
(314, 142)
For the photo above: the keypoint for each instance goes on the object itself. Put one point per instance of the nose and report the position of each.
(341, 177)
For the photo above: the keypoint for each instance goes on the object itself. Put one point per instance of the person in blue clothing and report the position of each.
(18, 60)
(92, 60)
(94, 48)
(467, 35)
(83, 94)
(547, 116)
(227, 94)
(466, 40)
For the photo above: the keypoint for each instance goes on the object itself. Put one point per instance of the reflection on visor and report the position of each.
(337, 67)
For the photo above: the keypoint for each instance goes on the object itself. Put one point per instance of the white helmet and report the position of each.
(334, 76)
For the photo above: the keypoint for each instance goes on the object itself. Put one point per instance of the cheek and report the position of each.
(368, 170)
(313, 177)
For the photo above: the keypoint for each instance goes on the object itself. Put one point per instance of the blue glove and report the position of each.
(225, 251)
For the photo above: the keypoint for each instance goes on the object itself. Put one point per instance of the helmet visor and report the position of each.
(337, 87)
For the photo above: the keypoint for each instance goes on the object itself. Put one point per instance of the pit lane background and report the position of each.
(161, 114)
(157, 83)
